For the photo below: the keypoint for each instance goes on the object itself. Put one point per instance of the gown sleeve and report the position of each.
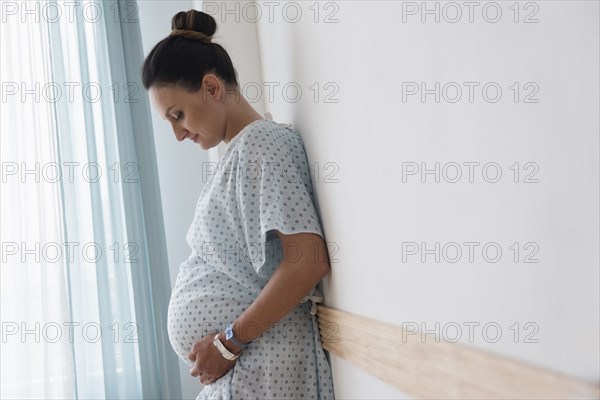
(274, 189)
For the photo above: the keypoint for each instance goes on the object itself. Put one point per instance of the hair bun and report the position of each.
(194, 20)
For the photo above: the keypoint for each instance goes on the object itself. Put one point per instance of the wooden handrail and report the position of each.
(440, 370)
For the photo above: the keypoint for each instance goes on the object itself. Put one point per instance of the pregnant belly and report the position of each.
(203, 301)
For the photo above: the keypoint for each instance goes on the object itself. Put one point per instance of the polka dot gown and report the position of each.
(261, 182)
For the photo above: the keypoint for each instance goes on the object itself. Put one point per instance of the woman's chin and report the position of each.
(203, 145)
(198, 141)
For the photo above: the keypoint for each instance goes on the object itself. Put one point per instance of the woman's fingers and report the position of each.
(205, 379)
(192, 354)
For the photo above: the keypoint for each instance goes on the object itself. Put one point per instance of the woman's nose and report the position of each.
(181, 135)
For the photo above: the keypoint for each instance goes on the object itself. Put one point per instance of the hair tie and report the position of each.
(190, 34)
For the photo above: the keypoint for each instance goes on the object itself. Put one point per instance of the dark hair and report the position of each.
(182, 60)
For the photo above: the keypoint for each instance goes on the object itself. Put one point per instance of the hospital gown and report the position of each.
(261, 182)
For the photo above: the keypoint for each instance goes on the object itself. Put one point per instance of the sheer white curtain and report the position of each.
(37, 358)
(78, 252)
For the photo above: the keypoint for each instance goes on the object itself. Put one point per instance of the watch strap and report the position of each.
(229, 336)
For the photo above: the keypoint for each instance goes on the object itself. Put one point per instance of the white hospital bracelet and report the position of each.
(223, 350)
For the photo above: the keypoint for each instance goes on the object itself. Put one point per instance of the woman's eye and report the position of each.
(178, 116)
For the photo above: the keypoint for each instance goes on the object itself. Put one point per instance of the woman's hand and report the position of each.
(209, 364)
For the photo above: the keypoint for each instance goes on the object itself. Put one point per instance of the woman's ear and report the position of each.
(212, 84)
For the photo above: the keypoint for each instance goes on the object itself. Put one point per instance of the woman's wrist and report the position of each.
(229, 345)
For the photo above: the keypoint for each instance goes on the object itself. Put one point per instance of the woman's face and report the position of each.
(198, 116)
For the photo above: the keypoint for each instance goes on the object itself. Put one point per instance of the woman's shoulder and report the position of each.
(269, 139)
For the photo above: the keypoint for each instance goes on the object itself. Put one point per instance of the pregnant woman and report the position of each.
(242, 312)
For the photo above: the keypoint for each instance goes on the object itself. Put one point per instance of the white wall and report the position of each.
(180, 163)
(371, 132)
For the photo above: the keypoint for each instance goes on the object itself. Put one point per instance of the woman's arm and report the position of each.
(305, 263)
